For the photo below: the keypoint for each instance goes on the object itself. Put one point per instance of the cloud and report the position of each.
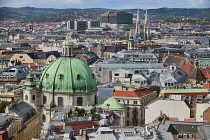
(111, 4)
(200, 3)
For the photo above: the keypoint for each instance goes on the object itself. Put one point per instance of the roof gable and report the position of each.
(197, 74)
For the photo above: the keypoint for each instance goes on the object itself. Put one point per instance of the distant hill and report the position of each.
(50, 14)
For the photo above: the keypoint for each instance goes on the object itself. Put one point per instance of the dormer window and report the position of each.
(78, 77)
(61, 76)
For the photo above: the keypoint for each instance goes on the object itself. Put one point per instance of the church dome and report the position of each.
(67, 42)
(68, 75)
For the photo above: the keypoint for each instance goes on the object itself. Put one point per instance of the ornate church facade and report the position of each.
(67, 81)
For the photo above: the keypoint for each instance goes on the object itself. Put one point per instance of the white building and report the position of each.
(175, 107)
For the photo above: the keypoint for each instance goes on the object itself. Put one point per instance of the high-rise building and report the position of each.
(119, 17)
(70, 25)
(80, 25)
(93, 23)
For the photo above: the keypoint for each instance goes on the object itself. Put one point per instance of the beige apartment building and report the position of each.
(35, 57)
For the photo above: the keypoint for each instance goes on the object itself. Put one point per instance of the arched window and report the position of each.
(26, 97)
(127, 122)
(79, 101)
(33, 97)
(60, 100)
(44, 99)
(96, 99)
(43, 118)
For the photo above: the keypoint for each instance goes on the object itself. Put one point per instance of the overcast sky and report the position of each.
(111, 4)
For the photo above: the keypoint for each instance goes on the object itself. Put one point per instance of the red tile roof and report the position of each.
(190, 120)
(4, 136)
(83, 125)
(206, 85)
(134, 93)
(206, 72)
(77, 125)
(188, 68)
(164, 55)
(206, 69)
(174, 119)
(207, 75)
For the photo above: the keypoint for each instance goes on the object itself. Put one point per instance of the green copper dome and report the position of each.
(67, 42)
(30, 84)
(68, 75)
(111, 103)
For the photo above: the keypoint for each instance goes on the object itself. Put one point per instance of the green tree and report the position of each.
(93, 113)
(93, 110)
(80, 111)
(127, 29)
(70, 113)
(3, 105)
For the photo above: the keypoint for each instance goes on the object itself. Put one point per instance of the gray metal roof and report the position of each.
(19, 72)
(132, 66)
(22, 109)
(201, 129)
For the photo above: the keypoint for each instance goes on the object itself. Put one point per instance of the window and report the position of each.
(134, 102)
(128, 114)
(43, 118)
(60, 101)
(78, 76)
(33, 97)
(44, 99)
(79, 101)
(61, 76)
(127, 123)
(100, 69)
(26, 97)
(116, 74)
(179, 73)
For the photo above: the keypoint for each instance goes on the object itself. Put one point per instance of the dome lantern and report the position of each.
(68, 47)
(30, 84)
